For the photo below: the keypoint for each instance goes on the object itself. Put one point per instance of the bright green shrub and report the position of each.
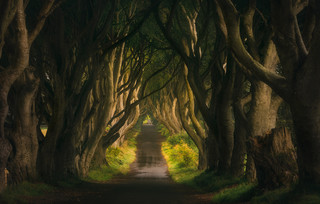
(118, 159)
(184, 155)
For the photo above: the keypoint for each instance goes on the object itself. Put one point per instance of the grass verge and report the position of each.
(288, 196)
(238, 193)
(182, 157)
(118, 158)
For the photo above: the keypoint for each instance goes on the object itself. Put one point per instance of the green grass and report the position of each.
(212, 182)
(182, 157)
(239, 193)
(287, 196)
(244, 192)
(16, 194)
(118, 159)
(184, 175)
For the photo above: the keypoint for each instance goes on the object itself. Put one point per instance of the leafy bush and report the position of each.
(163, 130)
(118, 159)
(182, 138)
(181, 151)
(182, 158)
(146, 119)
(184, 155)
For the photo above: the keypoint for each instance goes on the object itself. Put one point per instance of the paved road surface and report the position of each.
(147, 183)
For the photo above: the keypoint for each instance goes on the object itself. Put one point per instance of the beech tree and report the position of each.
(263, 102)
(186, 104)
(82, 78)
(298, 52)
(14, 54)
(205, 59)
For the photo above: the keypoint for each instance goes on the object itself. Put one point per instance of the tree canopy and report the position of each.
(218, 70)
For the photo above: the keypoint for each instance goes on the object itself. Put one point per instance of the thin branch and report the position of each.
(45, 11)
(137, 102)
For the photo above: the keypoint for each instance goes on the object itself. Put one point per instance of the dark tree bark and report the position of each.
(190, 47)
(24, 138)
(301, 76)
(23, 134)
(240, 130)
(275, 159)
(225, 119)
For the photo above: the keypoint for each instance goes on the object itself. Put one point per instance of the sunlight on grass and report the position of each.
(181, 155)
(118, 159)
(146, 120)
(182, 158)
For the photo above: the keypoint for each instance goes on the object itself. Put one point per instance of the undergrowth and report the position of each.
(293, 195)
(118, 160)
(181, 155)
(239, 193)
(18, 193)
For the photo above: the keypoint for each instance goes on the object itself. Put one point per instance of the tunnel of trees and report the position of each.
(241, 78)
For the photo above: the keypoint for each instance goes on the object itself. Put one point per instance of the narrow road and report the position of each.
(147, 183)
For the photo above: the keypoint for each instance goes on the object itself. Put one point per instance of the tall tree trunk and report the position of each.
(99, 157)
(275, 159)
(262, 116)
(197, 137)
(67, 154)
(213, 151)
(240, 148)
(22, 165)
(225, 119)
(305, 108)
(46, 162)
(7, 78)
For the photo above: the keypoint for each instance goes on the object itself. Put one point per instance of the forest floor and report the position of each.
(147, 182)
